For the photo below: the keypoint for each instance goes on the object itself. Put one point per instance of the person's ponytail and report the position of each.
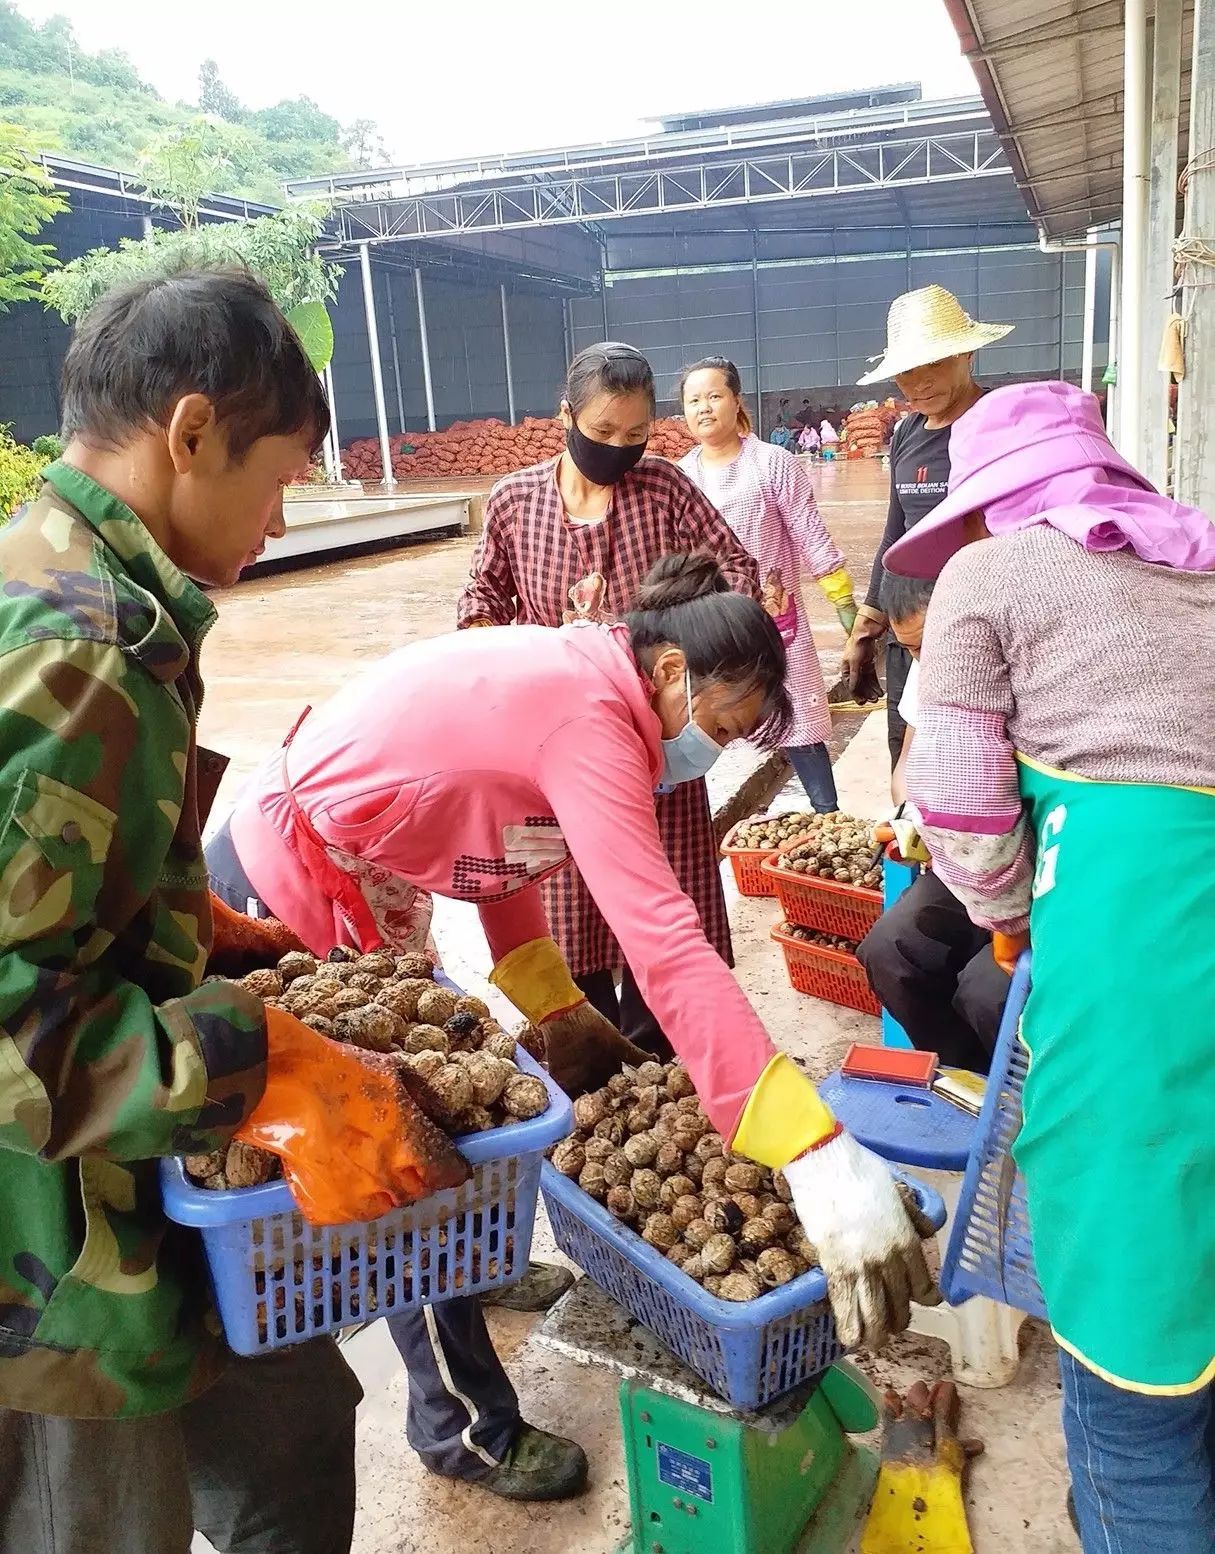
(686, 602)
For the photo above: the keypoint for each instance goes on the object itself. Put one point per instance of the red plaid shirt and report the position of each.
(534, 567)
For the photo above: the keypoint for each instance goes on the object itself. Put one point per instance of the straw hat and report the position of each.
(927, 326)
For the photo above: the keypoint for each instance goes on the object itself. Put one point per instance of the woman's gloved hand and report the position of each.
(582, 1049)
(868, 1239)
(1007, 949)
(241, 944)
(919, 1501)
(352, 1143)
(858, 665)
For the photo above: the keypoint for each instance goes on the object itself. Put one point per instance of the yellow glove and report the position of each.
(837, 586)
(783, 1117)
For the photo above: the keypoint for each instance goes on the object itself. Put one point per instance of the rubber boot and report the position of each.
(539, 1466)
(541, 1286)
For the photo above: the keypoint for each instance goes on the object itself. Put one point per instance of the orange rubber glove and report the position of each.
(352, 1143)
(240, 944)
(1007, 949)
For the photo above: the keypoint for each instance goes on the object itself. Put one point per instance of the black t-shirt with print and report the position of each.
(919, 479)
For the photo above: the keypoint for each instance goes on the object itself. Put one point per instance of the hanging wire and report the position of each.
(1194, 257)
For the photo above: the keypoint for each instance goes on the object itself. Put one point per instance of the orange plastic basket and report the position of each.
(848, 911)
(745, 862)
(833, 975)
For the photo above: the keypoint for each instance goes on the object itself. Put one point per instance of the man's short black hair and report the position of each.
(215, 332)
(899, 598)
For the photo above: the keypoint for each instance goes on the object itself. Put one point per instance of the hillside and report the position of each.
(95, 107)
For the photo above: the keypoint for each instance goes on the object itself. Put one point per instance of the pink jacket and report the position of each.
(474, 764)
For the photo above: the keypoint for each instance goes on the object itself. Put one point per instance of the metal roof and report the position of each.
(1051, 73)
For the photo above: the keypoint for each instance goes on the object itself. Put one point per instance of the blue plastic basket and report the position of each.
(748, 1353)
(279, 1280)
(990, 1251)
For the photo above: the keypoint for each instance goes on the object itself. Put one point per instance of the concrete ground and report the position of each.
(284, 641)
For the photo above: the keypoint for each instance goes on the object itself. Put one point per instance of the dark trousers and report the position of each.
(262, 1463)
(933, 970)
(463, 1412)
(812, 765)
(626, 1009)
(898, 667)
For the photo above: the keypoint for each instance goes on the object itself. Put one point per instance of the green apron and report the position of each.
(1118, 1143)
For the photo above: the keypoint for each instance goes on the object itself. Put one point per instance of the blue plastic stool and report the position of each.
(897, 877)
(910, 1126)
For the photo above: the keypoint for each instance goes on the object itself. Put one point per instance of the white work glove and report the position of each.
(868, 1238)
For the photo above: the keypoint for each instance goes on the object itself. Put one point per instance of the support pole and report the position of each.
(1062, 317)
(759, 382)
(567, 333)
(1161, 231)
(1195, 462)
(607, 328)
(430, 392)
(510, 380)
(1134, 230)
(1113, 398)
(334, 437)
(327, 445)
(377, 376)
(396, 355)
(1090, 313)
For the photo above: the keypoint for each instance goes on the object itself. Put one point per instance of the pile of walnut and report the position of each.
(456, 1060)
(765, 833)
(644, 1147)
(828, 941)
(837, 847)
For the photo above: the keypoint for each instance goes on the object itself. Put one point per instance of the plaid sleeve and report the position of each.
(491, 592)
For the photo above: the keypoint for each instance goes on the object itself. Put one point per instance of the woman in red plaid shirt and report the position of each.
(572, 539)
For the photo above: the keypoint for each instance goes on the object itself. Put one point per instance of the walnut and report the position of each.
(425, 1038)
(668, 1113)
(651, 1073)
(477, 1007)
(450, 1090)
(371, 1028)
(416, 965)
(659, 1230)
(400, 997)
(569, 1157)
(713, 1173)
(499, 1046)
(315, 1001)
(713, 1283)
(694, 1169)
(668, 1160)
(531, 1039)
(689, 1106)
(365, 982)
(619, 1085)
(296, 964)
(697, 1234)
(477, 1119)
(641, 1149)
(378, 964)
(709, 1147)
(436, 1005)
(756, 1236)
(642, 1116)
(462, 1030)
(680, 1254)
(617, 1170)
(744, 1177)
(800, 1244)
(694, 1267)
(599, 1149)
(781, 1217)
(322, 1026)
(248, 1166)
(676, 1187)
(490, 1076)
(591, 1179)
(724, 1216)
(263, 984)
(776, 1266)
(686, 1209)
(718, 1254)
(611, 1128)
(678, 1083)
(216, 1183)
(525, 1096)
(739, 1287)
(749, 1203)
(686, 1134)
(620, 1202)
(351, 998)
(201, 1166)
(427, 1063)
(647, 1187)
(590, 1109)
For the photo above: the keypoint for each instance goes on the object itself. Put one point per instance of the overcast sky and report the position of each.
(446, 79)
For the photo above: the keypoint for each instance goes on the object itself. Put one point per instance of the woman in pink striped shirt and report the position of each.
(765, 495)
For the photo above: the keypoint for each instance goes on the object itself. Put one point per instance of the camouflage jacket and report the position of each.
(111, 1052)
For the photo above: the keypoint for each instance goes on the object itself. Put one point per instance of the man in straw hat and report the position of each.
(930, 346)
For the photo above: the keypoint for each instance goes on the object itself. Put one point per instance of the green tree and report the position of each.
(215, 97)
(297, 119)
(183, 167)
(363, 144)
(28, 201)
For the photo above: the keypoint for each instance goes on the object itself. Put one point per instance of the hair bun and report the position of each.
(678, 579)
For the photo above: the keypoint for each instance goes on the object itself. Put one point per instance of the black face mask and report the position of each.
(602, 463)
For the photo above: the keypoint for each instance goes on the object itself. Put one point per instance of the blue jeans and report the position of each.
(1141, 1466)
(812, 763)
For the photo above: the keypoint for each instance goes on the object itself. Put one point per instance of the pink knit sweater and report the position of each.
(1094, 663)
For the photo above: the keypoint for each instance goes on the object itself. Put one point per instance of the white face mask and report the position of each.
(691, 753)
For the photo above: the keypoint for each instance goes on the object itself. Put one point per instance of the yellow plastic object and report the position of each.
(536, 979)
(783, 1116)
(837, 586)
(918, 1509)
